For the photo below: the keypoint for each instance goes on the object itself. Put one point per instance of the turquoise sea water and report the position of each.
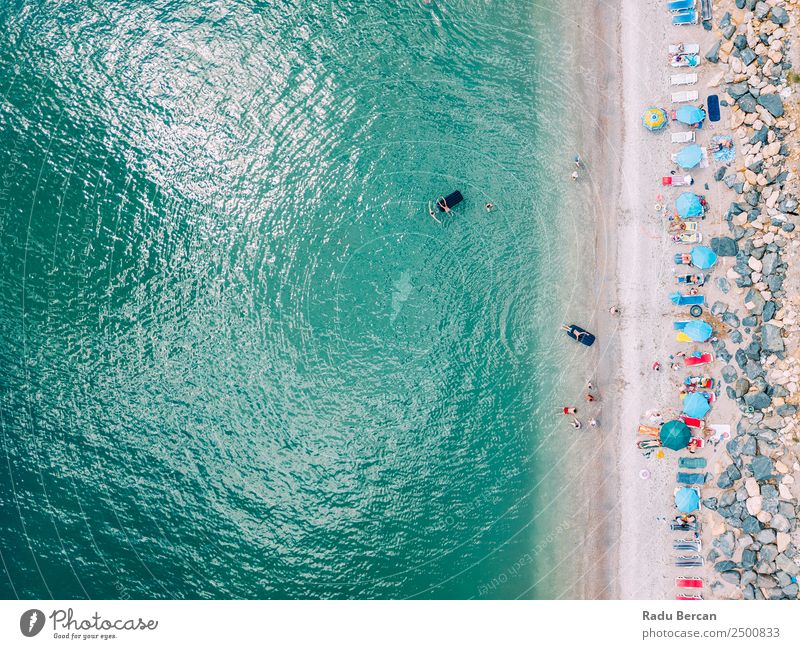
(239, 359)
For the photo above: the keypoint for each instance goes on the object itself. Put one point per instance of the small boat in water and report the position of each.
(581, 335)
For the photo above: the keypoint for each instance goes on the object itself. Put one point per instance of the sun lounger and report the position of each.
(684, 48)
(683, 80)
(688, 18)
(693, 422)
(680, 5)
(688, 582)
(691, 478)
(687, 237)
(682, 137)
(683, 226)
(683, 527)
(722, 432)
(688, 597)
(677, 181)
(684, 60)
(705, 8)
(713, 108)
(687, 545)
(684, 96)
(688, 300)
(692, 462)
(698, 359)
(689, 562)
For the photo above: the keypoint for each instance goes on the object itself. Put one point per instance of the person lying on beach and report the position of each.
(575, 423)
(693, 446)
(569, 410)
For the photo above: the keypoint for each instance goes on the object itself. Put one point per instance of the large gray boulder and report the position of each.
(761, 467)
(747, 102)
(724, 246)
(779, 16)
(773, 103)
(771, 339)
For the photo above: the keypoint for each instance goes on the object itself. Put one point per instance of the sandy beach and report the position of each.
(645, 272)
(628, 551)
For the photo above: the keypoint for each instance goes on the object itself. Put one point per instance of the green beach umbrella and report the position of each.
(675, 435)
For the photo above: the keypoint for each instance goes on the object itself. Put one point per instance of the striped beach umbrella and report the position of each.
(654, 119)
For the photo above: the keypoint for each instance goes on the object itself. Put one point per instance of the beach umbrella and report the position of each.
(689, 156)
(654, 119)
(698, 330)
(703, 257)
(688, 204)
(675, 435)
(687, 499)
(690, 115)
(695, 405)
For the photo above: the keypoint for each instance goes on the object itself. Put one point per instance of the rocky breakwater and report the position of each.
(756, 529)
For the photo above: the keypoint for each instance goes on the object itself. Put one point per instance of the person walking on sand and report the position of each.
(575, 175)
(656, 366)
(593, 422)
(589, 386)
(569, 410)
(589, 398)
(614, 310)
(578, 161)
(575, 423)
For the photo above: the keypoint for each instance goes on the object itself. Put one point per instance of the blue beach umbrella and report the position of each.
(687, 499)
(703, 257)
(688, 204)
(689, 156)
(675, 435)
(690, 115)
(698, 330)
(695, 405)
